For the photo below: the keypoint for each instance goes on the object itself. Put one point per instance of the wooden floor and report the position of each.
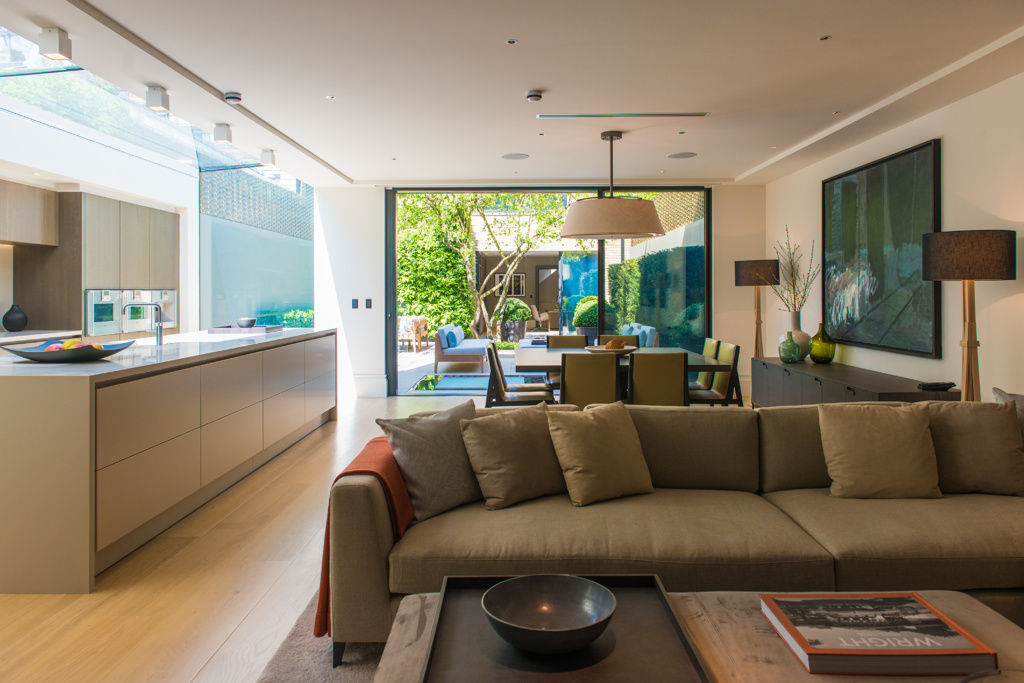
(212, 597)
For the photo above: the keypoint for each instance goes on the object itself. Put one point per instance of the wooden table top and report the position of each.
(733, 640)
(542, 359)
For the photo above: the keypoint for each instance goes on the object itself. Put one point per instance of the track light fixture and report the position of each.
(157, 99)
(222, 133)
(268, 157)
(54, 43)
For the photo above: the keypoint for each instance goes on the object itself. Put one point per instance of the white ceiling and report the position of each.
(429, 93)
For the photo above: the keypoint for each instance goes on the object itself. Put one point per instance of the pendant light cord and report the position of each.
(611, 167)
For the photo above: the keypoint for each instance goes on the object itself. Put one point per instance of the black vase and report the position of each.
(14, 319)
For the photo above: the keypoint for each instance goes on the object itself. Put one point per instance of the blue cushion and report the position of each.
(643, 336)
(627, 329)
(451, 339)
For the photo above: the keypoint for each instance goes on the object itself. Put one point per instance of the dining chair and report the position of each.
(588, 378)
(725, 386)
(627, 339)
(567, 341)
(541, 318)
(658, 379)
(703, 380)
(501, 393)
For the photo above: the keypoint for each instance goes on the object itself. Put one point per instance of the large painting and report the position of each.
(873, 218)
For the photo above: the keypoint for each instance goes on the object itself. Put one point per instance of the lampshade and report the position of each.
(611, 218)
(759, 272)
(969, 255)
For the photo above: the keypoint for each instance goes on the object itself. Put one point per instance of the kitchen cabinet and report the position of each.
(163, 249)
(283, 414)
(230, 441)
(134, 242)
(28, 215)
(101, 237)
(230, 385)
(283, 368)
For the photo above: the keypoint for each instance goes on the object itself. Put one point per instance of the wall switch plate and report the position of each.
(355, 303)
(369, 303)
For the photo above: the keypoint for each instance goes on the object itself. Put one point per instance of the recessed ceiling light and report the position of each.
(773, 146)
(330, 98)
(682, 155)
(36, 173)
(825, 37)
(512, 41)
(54, 43)
(682, 132)
(515, 156)
(540, 133)
(394, 158)
(836, 113)
(661, 171)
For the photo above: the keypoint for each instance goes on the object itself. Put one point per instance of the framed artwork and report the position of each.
(872, 221)
(518, 286)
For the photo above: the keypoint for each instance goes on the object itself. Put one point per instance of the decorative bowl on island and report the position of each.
(604, 349)
(63, 352)
(245, 322)
(548, 613)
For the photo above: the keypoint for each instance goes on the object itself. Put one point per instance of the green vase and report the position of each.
(823, 347)
(789, 350)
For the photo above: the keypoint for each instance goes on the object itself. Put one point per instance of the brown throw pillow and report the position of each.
(432, 459)
(1017, 400)
(600, 454)
(878, 451)
(978, 447)
(512, 456)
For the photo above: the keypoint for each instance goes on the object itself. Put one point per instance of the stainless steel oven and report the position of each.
(102, 312)
(136, 318)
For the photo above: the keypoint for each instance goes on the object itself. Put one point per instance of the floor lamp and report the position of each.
(969, 255)
(754, 274)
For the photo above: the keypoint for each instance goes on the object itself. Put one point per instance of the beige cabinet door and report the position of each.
(320, 395)
(230, 385)
(231, 441)
(28, 215)
(321, 357)
(163, 250)
(284, 367)
(101, 237)
(283, 414)
(134, 246)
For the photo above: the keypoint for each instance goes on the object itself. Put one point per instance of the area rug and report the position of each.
(305, 658)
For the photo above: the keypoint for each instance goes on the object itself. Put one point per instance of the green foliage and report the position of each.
(624, 281)
(515, 309)
(431, 279)
(585, 314)
(298, 317)
(506, 345)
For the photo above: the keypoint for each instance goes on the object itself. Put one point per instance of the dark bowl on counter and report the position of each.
(548, 613)
(82, 354)
(245, 322)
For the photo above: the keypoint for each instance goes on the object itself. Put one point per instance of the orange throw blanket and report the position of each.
(377, 459)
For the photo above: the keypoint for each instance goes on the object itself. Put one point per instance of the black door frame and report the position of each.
(391, 267)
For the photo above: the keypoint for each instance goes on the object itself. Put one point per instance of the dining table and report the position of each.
(543, 359)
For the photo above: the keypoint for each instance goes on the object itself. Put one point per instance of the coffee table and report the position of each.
(734, 641)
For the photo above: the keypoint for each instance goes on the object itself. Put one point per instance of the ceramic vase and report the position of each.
(14, 319)
(823, 347)
(789, 350)
(802, 339)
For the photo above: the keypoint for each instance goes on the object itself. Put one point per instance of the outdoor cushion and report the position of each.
(469, 346)
(674, 533)
(451, 338)
(442, 335)
(642, 336)
(956, 542)
(460, 334)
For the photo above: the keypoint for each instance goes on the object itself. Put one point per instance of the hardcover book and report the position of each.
(874, 633)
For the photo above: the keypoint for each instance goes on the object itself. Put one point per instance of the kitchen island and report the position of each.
(97, 458)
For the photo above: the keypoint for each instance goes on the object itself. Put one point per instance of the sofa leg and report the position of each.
(339, 650)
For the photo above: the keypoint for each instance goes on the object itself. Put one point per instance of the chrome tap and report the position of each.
(158, 324)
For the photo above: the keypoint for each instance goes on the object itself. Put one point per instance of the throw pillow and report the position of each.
(452, 340)
(1017, 399)
(432, 459)
(978, 447)
(512, 456)
(600, 454)
(878, 451)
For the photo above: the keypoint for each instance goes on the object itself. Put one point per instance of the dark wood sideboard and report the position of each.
(781, 384)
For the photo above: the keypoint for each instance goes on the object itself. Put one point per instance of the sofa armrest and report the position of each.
(361, 538)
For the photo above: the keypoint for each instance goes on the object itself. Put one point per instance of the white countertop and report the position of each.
(145, 357)
(29, 336)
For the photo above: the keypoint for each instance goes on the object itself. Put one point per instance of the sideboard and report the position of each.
(779, 384)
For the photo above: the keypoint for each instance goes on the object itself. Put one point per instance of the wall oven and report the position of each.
(102, 312)
(111, 311)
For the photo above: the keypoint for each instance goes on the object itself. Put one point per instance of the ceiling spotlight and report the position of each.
(512, 41)
(836, 113)
(534, 96)
(330, 98)
(55, 43)
(232, 97)
(825, 37)
(157, 99)
(682, 155)
(515, 156)
(222, 133)
(268, 157)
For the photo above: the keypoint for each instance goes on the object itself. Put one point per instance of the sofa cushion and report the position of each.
(699, 447)
(1016, 399)
(694, 540)
(512, 456)
(879, 451)
(468, 347)
(790, 449)
(977, 446)
(956, 542)
(600, 454)
(442, 335)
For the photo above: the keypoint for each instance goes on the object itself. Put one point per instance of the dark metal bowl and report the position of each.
(82, 354)
(245, 322)
(548, 613)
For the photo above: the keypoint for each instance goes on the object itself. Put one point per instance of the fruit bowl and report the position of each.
(618, 352)
(81, 354)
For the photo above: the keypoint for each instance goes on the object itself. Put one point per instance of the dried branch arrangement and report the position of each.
(794, 283)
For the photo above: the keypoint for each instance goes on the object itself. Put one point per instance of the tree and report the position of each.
(512, 224)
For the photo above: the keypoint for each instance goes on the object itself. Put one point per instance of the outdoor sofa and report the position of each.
(452, 346)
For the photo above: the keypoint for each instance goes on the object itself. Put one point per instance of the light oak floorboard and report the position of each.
(211, 598)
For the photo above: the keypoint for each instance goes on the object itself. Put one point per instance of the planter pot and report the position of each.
(513, 330)
(802, 339)
(14, 319)
(590, 333)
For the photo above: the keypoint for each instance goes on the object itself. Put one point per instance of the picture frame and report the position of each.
(518, 286)
(872, 220)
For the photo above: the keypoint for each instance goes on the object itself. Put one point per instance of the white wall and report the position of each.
(982, 187)
(348, 260)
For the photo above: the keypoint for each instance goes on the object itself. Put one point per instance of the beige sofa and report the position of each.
(741, 503)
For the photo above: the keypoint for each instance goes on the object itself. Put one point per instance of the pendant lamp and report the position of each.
(611, 217)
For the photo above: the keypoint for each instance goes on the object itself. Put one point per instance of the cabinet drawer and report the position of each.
(791, 394)
(810, 390)
(320, 357)
(135, 490)
(284, 367)
(230, 385)
(320, 396)
(140, 414)
(230, 441)
(283, 414)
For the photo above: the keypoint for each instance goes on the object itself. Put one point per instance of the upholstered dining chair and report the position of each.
(658, 379)
(627, 339)
(563, 341)
(542, 318)
(501, 393)
(710, 350)
(588, 378)
(725, 386)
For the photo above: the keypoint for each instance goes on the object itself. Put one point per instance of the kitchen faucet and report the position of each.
(158, 323)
